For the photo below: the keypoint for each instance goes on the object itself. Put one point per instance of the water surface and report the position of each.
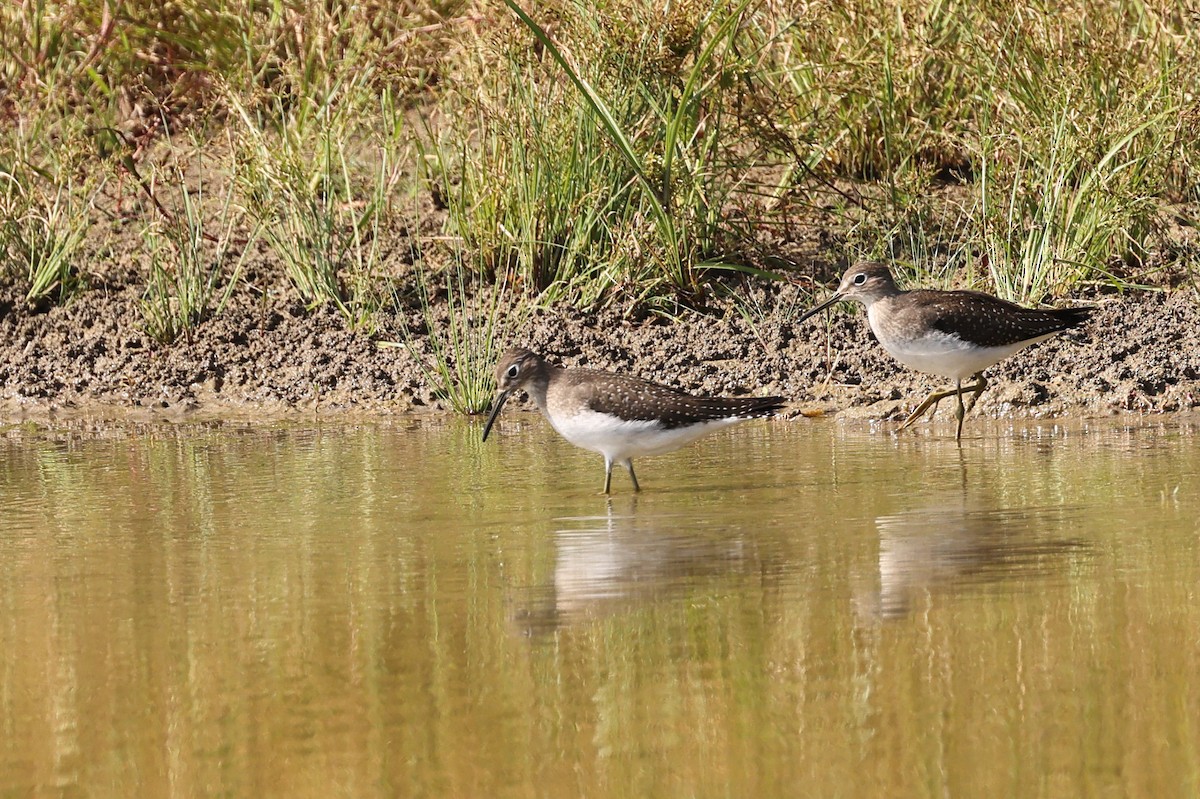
(788, 608)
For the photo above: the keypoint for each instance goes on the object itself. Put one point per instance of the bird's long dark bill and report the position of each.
(501, 398)
(814, 311)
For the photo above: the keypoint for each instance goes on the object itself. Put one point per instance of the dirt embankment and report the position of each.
(266, 355)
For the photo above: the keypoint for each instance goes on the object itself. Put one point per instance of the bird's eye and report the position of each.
(860, 278)
(512, 371)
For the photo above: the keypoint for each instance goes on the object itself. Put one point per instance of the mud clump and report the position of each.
(266, 354)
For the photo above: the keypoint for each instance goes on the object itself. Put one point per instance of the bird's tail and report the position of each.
(750, 407)
(1073, 317)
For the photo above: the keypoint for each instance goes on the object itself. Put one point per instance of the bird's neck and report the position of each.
(539, 383)
(883, 295)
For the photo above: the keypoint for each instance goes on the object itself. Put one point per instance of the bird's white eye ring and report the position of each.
(512, 371)
(860, 278)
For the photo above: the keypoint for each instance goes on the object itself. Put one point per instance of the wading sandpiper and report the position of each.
(955, 334)
(619, 416)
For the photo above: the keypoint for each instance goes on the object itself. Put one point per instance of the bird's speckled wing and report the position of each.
(635, 399)
(987, 321)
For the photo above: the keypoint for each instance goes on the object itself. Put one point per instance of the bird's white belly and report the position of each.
(620, 439)
(948, 355)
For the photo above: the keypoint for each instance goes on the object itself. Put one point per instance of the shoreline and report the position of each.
(102, 416)
(277, 360)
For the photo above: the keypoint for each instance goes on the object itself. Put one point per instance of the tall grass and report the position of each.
(44, 211)
(98, 58)
(619, 151)
(605, 166)
(319, 187)
(465, 331)
(195, 263)
(50, 235)
(1048, 224)
(1064, 124)
(127, 73)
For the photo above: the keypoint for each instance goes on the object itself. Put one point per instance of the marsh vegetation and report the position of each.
(629, 154)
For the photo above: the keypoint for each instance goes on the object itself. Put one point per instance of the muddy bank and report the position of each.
(267, 356)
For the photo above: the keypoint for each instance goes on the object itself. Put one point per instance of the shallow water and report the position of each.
(788, 608)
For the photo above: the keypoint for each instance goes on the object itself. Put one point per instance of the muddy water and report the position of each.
(789, 608)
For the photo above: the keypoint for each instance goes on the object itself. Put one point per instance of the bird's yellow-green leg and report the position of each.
(959, 410)
(632, 476)
(930, 402)
(628, 464)
(937, 396)
(980, 384)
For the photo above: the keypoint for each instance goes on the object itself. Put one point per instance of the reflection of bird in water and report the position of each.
(946, 547)
(607, 564)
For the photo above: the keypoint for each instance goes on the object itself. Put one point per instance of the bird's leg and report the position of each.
(930, 402)
(959, 411)
(607, 474)
(632, 476)
(977, 389)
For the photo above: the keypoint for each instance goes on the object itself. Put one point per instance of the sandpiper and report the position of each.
(619, 416)
(955, 334)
